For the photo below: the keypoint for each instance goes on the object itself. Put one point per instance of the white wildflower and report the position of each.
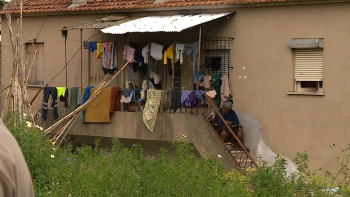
(219, 156)
(52, 156)
(29, 124)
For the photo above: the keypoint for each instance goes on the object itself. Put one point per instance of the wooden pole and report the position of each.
(149, 55)
(173, 64)
(199, 61)
(65, 59)
(26, 82)
(81, 59)
(67, 130)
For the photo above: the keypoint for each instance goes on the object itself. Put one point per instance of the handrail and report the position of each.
(238, 157)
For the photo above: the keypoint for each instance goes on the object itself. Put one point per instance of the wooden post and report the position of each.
(65, 59)
(199, 61)
(149, 55)
(81, 59)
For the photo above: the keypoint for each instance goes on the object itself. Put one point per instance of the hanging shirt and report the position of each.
(145, 52)
(99, 51)
(169, 53)
(156, 51)
(108, 58)
(207, 79)
(61, 91)
(225, 88)
(93, 46)
(180, 48)
(128, 53)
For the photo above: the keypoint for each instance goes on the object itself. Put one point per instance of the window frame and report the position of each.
(36, 75)
(308, 46)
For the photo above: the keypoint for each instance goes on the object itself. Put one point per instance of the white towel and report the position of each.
(156, 51)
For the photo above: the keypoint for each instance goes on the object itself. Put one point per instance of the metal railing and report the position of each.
(240, 155)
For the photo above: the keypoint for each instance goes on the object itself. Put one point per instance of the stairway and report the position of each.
(240, 155)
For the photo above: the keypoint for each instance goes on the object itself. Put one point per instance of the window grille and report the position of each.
(217, 47)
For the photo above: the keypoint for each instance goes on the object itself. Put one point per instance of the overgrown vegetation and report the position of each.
(125, 172)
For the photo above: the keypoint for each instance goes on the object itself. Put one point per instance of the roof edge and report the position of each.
(178, 8)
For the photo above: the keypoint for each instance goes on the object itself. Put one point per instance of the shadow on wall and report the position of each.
(254, 141)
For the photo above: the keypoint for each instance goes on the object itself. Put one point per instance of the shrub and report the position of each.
(120, 171)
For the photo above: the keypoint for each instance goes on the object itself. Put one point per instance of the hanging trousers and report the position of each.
(50, 91)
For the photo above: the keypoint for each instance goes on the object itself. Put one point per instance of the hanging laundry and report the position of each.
(79, 100)
(126, 95)
(217, 87)
(68, 97)
(144, 89)
(188, 98)
(73, 98)
(156, 51)
(207, 79)
(145, 52)
(213, 62)
(138, 57)
(50, 91)
(200, 95)
(85, 98)
(93, 46)
(116, 93)
(99, 52)
(192, 49)
(128, 53)
(225, 88)
(154, 76)
(86, 45)
(180, 48)
(175, 100)
(133, 76)
(61, 92)
(144, 85)
(150, 112)
(108, 58)
(169, 54)
(98, 109)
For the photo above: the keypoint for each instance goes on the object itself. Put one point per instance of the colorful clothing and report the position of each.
(99, 52)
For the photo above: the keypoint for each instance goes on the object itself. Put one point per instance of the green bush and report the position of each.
(120, 171)
(125, 172)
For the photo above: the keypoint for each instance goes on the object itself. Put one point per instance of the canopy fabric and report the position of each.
(175, 23)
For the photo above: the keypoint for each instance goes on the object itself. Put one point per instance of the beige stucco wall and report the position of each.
(290, 123)
(273, 121)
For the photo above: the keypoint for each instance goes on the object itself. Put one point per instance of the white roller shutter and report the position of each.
(308, 64)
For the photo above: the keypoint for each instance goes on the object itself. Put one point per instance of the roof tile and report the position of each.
(49, 6)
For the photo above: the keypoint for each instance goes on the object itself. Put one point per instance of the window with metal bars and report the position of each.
(217, 49)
